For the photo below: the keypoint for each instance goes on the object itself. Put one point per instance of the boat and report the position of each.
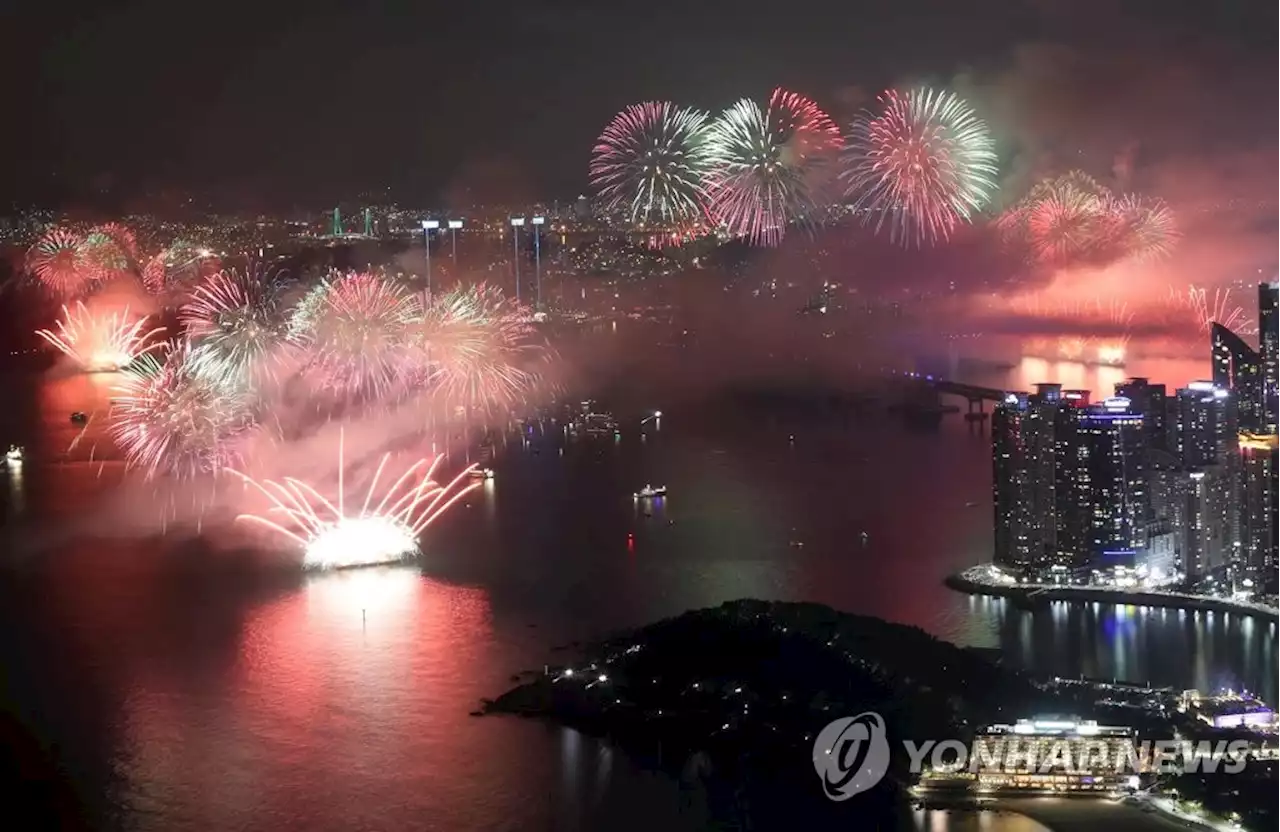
(651, 491)
(79, 418)
(971, 505)
(14, 456)
(481, 473)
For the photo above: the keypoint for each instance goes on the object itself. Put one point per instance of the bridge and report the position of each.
(974, 394)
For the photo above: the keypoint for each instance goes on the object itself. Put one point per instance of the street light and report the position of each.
(427, 227)
(516, 223)
(454, 225)
(537, 260)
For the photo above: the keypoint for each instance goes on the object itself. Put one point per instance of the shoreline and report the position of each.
(1036, 596)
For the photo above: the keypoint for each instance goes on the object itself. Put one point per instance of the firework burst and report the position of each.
(101, 343)
(921, 165)
(355, 329)
(652, 161)
(237, 323)
(168, 418)
(474, 341)
(333, 537)
(58, 260)
(770, 166)
(1072, 220)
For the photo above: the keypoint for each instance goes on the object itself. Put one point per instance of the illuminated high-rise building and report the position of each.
(1022, 481)
(1070, 482)
(1110, 466)
(1207, 449)
(1151, 400)
(1237, 367)
(1269, 348)
(1258, 493)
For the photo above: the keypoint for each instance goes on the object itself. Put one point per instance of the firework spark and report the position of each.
(355, 328)
(921, 165)
(169, 418)
(1072, 220)
(769, 167)
(652, 161)
(1209, 310)
(332, 537)
(237, 322)
(58, 260)
(101, 343)
(474, 341)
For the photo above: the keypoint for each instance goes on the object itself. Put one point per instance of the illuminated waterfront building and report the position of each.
(1258, 492)
(1237, 367)
(1070, 481)
(1052, 755)
(1022, 429)
(1206, 437)
(1269, 349)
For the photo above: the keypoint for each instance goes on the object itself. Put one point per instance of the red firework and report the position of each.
(58, 260)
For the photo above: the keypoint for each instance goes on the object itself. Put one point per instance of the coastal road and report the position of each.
(1083, 815)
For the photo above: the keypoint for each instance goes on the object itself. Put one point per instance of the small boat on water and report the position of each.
(482, 474)
(650, 491)
(14, 455)
(971, 505)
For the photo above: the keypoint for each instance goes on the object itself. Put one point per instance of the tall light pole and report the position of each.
(516, 223)
(454, 225)
(537, 261)
(427, 227)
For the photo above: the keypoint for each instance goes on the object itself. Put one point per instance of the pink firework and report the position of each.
(1208, 310)
(921, 164)
(168, 418)
(386, 528)
(770, 167)
(101, 343)
(237, 322)
(58, 260)
(1140, 228)
(356, 330)
(155, 272)
(477, 346)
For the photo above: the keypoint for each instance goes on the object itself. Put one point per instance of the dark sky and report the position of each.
(278, 101)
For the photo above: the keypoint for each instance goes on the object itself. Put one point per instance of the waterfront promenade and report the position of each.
(986, 579)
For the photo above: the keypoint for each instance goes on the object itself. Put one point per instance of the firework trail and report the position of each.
(101, 343)
(1210, 310)
(58, 260)
(921, 165)
(333, 537)
(474, 341)
(769, 167)
(652, 161)
(168, 418)
(355, 330)
(236, 322)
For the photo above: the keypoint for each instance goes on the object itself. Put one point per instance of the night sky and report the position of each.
(276, 102)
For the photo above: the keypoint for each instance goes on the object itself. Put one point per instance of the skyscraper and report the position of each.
(1111, 455)
(1022, 481)
(1207, 449)
(1258, 459)
(1269, 347)
(1238, 367)
(1070, 482)
(1151, 400)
